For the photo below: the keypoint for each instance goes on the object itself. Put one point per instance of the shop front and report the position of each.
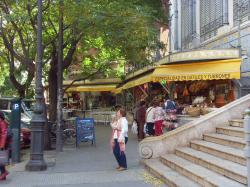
(198, 87)
(88, 97)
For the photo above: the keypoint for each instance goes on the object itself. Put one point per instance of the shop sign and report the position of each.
(210, 76)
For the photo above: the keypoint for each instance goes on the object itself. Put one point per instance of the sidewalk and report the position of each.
(86, 166)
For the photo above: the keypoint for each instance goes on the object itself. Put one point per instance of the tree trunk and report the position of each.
(21, 92)
(52, 93)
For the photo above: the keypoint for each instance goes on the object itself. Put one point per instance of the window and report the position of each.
(188, 22)
(213, 15)
(241, 11)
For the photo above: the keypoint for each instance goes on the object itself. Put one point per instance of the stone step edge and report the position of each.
(205, 136)
(204, 181)
(166, 178)
(240, 123)
(231, 128)
(219, 152)
(230, 132)
(212, 166)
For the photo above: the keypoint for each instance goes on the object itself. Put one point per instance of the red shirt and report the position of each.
(3, 133)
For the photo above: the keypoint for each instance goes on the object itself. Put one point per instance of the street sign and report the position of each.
(15, 124)
(85, 130)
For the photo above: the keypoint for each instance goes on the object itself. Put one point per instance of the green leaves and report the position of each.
(126, 25)
(110, 33)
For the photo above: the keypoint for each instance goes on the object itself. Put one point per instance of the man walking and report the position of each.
(141, 119)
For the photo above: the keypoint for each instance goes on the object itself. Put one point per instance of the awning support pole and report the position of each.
(165, 88)
(145, 93)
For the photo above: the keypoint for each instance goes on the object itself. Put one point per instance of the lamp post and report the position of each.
(59, 142)
(36, 162)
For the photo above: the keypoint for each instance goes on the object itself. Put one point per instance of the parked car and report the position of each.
(25, 136)
(27, 105)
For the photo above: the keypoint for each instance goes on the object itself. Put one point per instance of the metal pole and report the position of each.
(247, 138)
(36, 162)
(59, 142)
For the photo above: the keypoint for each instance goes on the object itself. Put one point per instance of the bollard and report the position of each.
(247, 138)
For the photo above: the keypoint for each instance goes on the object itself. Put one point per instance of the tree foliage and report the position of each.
(119, 32)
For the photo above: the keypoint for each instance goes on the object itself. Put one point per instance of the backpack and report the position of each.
(170, 106)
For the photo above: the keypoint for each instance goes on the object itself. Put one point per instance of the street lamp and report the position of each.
(59, 142)
(36, 162)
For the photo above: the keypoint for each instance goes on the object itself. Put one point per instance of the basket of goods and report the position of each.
(193, 111)
(204, 111)
(199, 100)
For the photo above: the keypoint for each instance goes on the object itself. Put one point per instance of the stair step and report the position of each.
(226, 168)
(225, 152)
(222, 139)
(236, 123)
(197, 173)
(231, 131)
(168, 175)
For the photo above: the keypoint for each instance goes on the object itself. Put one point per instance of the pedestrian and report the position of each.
(169, 105)
(135, 109)
(114, 117)
(159, 116)
(149, 120)
(3, 143)
(141, 119)
(119, 139)
(171, 109)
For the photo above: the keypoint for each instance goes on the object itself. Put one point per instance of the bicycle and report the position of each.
(68, 133)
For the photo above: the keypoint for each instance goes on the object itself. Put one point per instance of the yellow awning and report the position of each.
(220, 69)
(92, 88)
(141, 80)
(117, 90)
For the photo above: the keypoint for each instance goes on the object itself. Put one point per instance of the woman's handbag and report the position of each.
(134, 128)
(4, 157)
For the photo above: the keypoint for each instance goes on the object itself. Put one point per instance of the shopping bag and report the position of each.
(145, 129)
(134, 129)
(4, 157)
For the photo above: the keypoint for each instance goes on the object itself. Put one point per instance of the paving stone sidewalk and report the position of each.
(86, 166)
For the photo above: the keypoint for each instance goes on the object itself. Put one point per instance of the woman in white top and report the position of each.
(119, 139)
(150, 121)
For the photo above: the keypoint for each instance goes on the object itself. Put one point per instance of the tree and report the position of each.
(124, 27)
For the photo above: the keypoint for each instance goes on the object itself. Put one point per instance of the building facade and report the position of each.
(212, 24)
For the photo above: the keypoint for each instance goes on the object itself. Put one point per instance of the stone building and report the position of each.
(213, 24)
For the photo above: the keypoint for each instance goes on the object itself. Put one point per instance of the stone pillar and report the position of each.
(247, 138)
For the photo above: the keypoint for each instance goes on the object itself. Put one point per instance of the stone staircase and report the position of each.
(217, 160)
